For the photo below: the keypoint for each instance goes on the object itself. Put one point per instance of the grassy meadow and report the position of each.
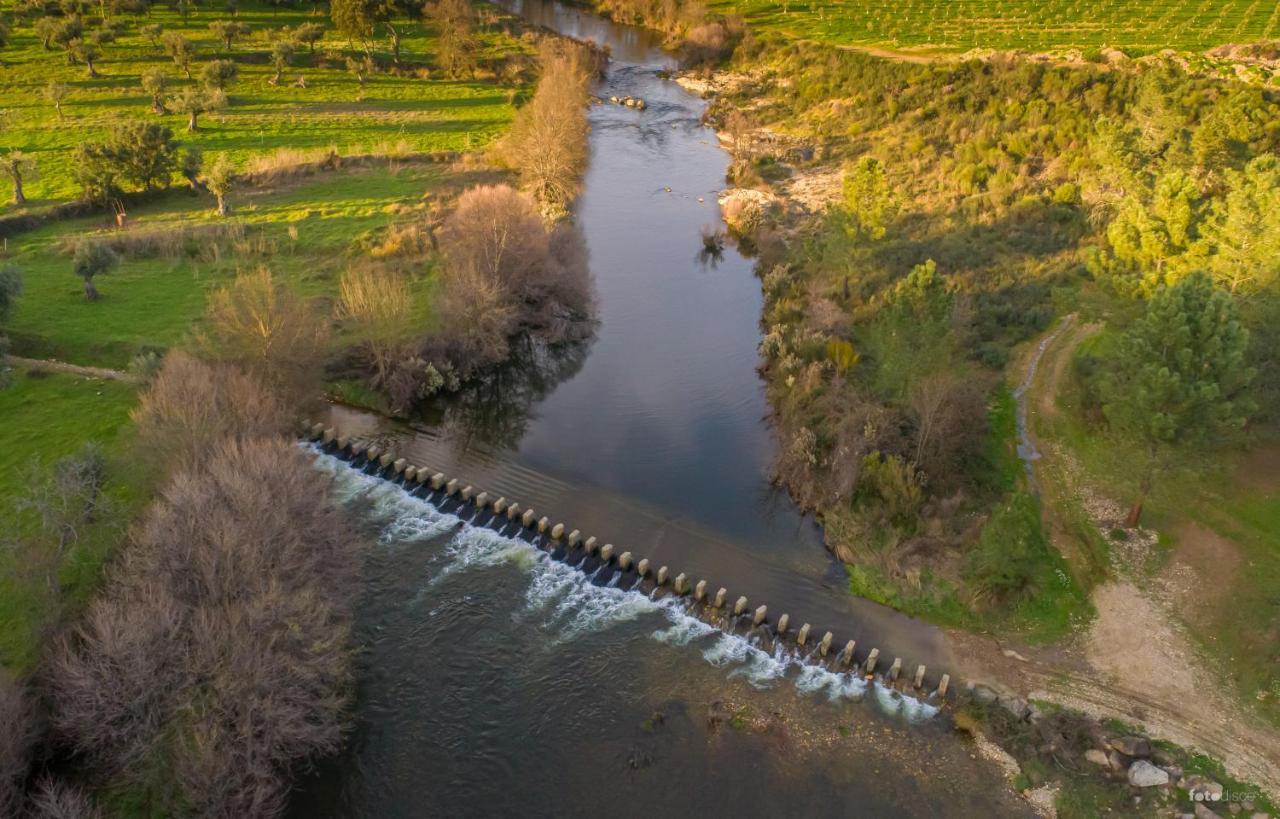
(958, 25)
(47, 417)
(416, 109)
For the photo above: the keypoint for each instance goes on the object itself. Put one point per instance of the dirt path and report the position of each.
(48, 365)
(1135, 662)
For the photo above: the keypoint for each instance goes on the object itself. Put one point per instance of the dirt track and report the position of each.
(1135, 661)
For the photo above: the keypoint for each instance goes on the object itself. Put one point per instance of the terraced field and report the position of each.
(958, 25)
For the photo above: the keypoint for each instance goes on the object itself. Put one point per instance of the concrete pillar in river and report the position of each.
(782, 624)
(557, 531)
(895, 669)
(846, 655)
(700, 591)
(642, 568)
(451, 487)
(662, 575)
(721, 594)
(918, 682)
(372, 453)
(386, 460)
(681, 585)
(544, 523)
(591, 545)
(467, 492)
(499, 506)
(410, 474)
(606, 552)
(739, 606)
(513, 511)
(759, 616)
(527, 518)
(328, 435)
(803, 636)
(437, 480)
(943, 684)
(624, 561)
(482, 500)
(825, 645)
(399, 465)
(870, 665)
(344, 443)
(575, 537)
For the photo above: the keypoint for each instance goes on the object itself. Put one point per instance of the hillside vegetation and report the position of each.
(957, 209)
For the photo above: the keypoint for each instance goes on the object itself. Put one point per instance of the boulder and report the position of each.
(1142, 774)
(1132, 746)
(1201, 788)
(1097, 757)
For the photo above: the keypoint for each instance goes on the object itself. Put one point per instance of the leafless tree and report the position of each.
(265, 327)
(505, 273)
(218, 655)
(56, 799)
(193, 406)
(547, 144)
(17, 732)
(377, 306)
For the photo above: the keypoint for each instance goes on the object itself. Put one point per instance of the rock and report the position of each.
(1016, 706)
(1132, 746)
(984, 695)
(1117, 761)
(1234, 808)
(1201, 788)
(1142, 774)
(1204, 813)
(1097, 757)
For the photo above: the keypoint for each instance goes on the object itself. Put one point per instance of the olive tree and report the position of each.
(93, 259)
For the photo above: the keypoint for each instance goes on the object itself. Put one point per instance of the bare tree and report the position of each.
(377, 306)
(192, 406)
(504, 273)
(17, 733)
(547, 144)
(267, 328)
(220, 647)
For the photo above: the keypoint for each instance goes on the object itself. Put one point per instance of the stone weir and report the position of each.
(713, 604)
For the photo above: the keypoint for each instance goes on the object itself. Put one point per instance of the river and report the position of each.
(497, 682)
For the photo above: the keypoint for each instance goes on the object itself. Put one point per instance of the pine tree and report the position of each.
(1178, 380)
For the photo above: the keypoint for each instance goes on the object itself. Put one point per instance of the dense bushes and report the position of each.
(217, 655)
(506, 273)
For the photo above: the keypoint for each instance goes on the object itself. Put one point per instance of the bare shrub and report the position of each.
(713, 42)
(270, 331)
(284, 164)
(65, 503)
(506, 273)
(547, 144)
(376, 306)
(192, 406)
(948, 410)
(218, 655)
(55, 799)
(17, 733)
(170, 241)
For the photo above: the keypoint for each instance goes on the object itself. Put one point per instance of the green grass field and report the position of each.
(417, 109)
(959, 25)
(47, 417)
(306, 232)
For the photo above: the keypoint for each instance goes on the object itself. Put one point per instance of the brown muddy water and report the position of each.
(495, 681)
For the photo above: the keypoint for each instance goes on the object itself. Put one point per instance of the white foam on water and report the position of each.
(572, 605)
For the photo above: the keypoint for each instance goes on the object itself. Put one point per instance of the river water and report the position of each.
(495, 681)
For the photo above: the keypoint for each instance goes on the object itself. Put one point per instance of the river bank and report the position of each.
(802, 185)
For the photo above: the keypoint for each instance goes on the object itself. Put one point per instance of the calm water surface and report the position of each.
(496, 682)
